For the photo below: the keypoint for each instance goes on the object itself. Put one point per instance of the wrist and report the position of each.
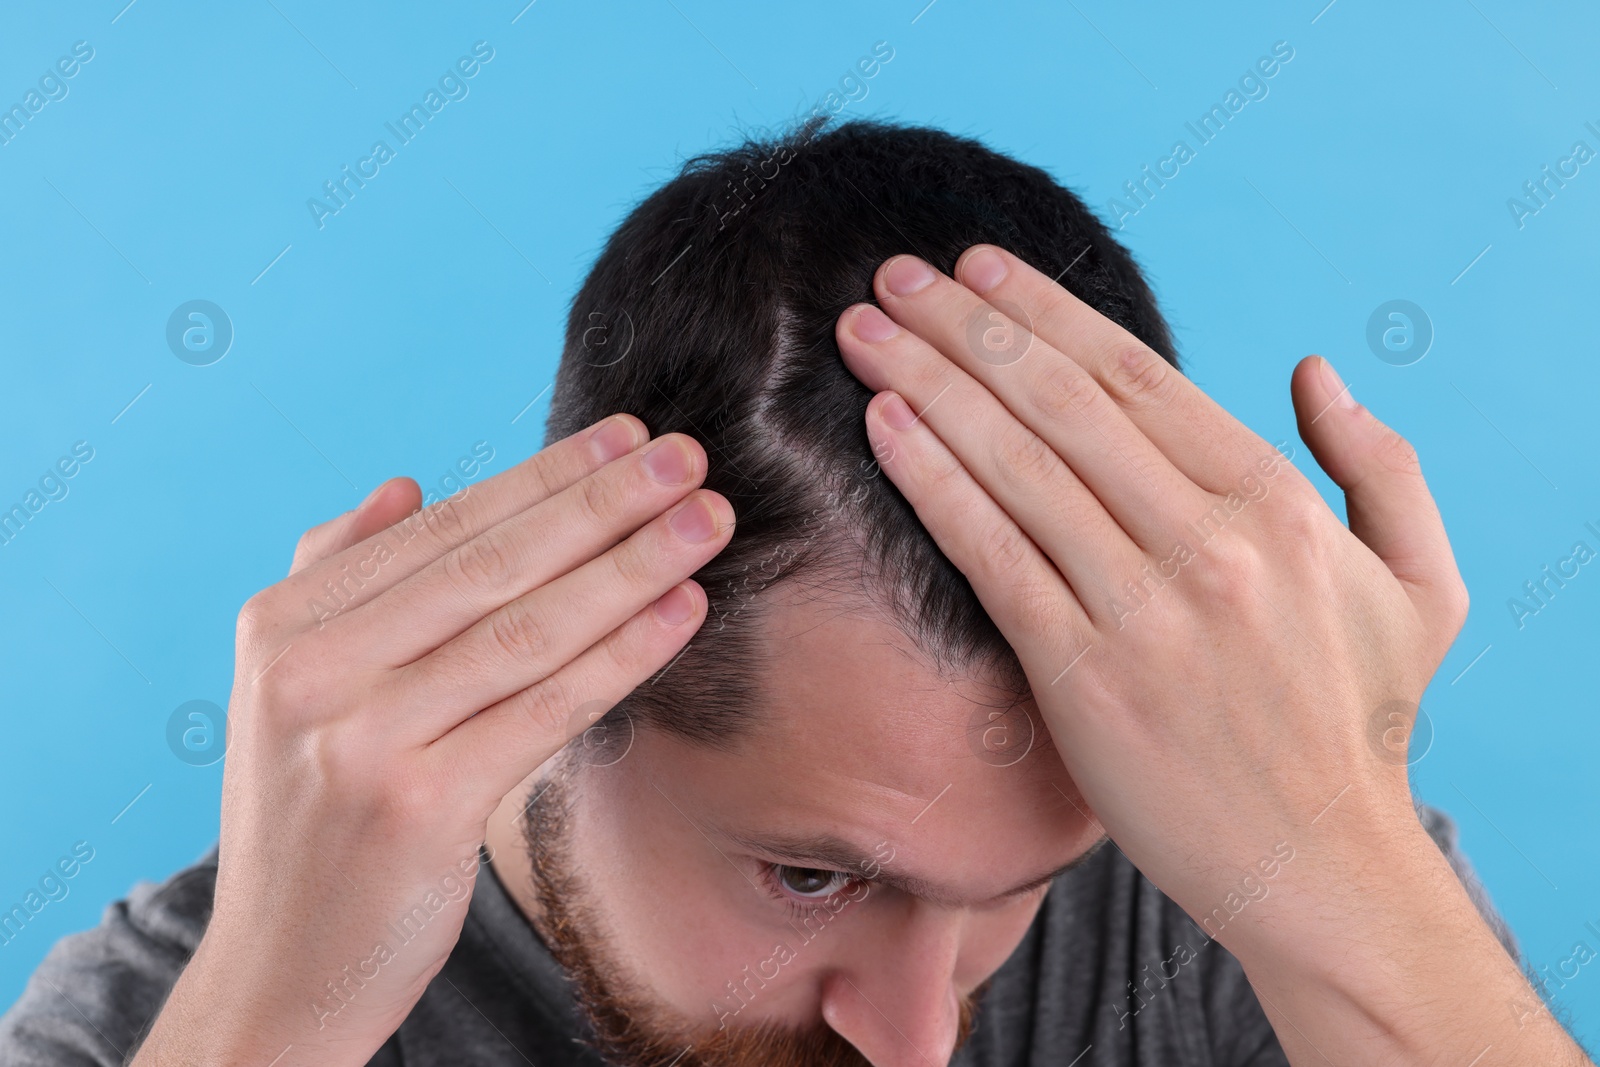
(222, 1012)
(1357, 870)
(1375, 950)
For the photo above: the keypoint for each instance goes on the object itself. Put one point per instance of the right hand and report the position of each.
(368, 749)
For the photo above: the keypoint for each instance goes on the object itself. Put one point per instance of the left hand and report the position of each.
(1247, 694)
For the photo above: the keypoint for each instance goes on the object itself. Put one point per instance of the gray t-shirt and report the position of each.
(1110, 972)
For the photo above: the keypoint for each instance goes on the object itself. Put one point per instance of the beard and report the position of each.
(629, 1028)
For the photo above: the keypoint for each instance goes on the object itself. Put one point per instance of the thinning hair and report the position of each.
(711, 311)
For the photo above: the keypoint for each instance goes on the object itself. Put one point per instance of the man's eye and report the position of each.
(810, 881)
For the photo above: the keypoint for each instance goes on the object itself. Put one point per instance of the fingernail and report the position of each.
(613, 439)
(897, 413)
(872, 325)
(983, 269)
(1335, 385)
(906, 275)
(668, 462)
(675, 605)
(694, 522)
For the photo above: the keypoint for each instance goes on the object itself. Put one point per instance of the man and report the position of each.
(1037, 712)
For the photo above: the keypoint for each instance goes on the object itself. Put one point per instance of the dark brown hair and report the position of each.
(711, 311)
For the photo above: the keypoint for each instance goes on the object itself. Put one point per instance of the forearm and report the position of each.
(1384, 959)
(223, 1010)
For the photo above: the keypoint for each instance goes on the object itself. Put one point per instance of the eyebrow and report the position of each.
(826, 852)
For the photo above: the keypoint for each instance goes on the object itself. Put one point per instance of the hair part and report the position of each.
(711, 311)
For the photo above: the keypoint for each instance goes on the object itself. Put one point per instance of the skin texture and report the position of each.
(1054, 458)
(371, 743)
(858, 738)
(1054, 465)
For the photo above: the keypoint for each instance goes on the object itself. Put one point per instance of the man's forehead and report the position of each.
(863, 750)
(846, 706)
(837, 675)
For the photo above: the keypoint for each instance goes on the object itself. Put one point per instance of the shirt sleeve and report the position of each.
(95, 993)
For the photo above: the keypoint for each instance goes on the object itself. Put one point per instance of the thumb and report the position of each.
(1387, 502)
(387, 505)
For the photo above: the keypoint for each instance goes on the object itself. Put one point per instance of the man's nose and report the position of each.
(895, 999)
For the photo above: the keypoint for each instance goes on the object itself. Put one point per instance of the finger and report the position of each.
(526, 551)
(1387, 501)
(1031, 603)
(360, 572)
(387, 505)
(1196, 434)
(1013, 465)
(501, 745)
(536, 635)
(1049, 393)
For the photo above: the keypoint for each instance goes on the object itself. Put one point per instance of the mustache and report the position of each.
(766, 1045)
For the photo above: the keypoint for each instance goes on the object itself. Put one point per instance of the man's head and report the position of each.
(815, 834)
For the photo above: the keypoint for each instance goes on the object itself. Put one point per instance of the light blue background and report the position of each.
(427, 317)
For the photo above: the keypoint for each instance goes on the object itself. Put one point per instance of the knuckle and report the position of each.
(1298, 520)
(542, 474)
(1065, 392)
(1459, 602)
(1003, 550)
(1289, 494)
(1037, 607)
(258, 612)
(482, 564)
(1227, 568)
(1026, 460)
(517, 632)
(596, 497)
(637, 565)
(452, 515)
(945, 476)
(1451, 598)
(1138, 378)
(424, 531)
(268, 620)
(547, 708)
(385, 798)
(445, 521)
(1396, 454)
(414, 796)
(285, 690)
